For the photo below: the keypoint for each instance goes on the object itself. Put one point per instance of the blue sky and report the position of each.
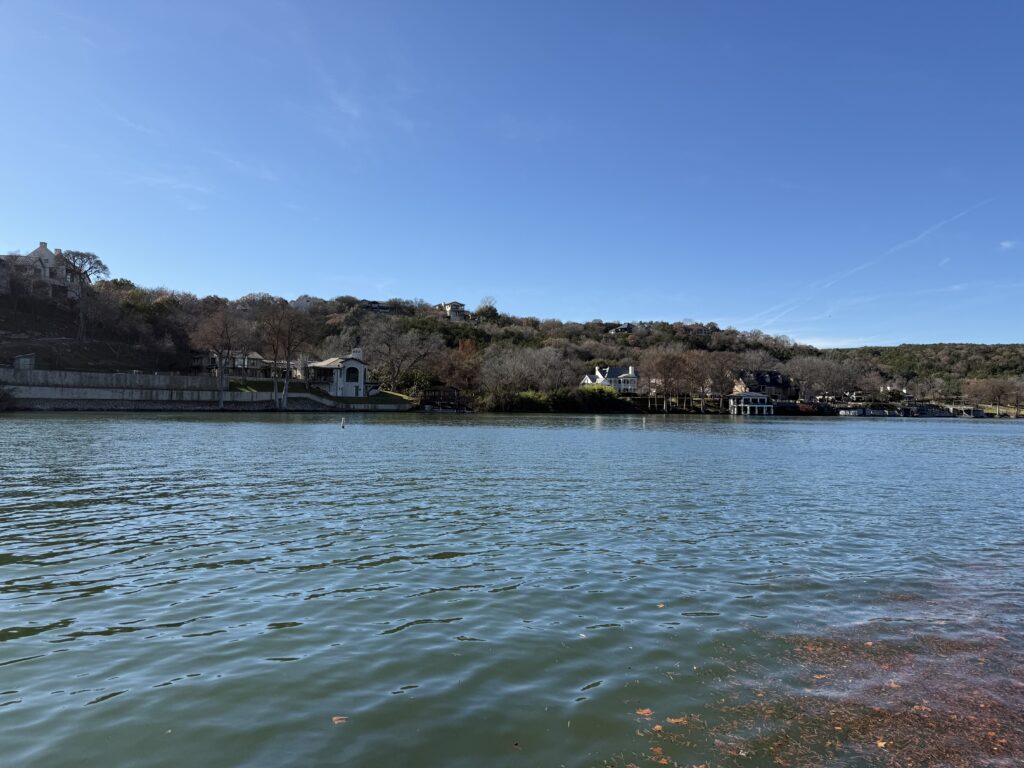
(844, 173)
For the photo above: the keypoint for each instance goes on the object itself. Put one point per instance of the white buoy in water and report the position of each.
(342, 422)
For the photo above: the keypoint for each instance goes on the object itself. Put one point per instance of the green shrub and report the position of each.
(588, 399)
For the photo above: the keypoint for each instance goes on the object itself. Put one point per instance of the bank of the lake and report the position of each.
(213, 589)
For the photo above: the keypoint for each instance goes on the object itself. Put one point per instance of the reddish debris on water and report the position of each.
(892, 701)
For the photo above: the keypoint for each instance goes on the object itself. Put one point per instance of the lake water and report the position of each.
(212, 590)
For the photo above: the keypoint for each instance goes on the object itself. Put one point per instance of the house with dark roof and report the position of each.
(455, 311)
(775, 385)
(237, 364)
(623, 379)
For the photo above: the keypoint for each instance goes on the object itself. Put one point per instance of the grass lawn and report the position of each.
(298, 387)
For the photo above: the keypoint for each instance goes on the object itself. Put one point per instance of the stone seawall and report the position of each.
(165, 381)
(59, 404)
(84, 391)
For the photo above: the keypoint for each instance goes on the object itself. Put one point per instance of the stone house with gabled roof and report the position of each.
(777, 386)
(46, 271)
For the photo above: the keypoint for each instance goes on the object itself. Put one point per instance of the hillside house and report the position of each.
(623, 379)
(455, 311)
(342, 376)
(376, 307)
(44, 270)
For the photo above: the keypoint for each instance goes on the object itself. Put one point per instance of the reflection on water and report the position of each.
(505, 590)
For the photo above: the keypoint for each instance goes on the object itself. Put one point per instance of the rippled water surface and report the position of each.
(183, 590)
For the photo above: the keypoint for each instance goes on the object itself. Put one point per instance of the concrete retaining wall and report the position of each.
(169, 381)
(83, 391)
(55, 404)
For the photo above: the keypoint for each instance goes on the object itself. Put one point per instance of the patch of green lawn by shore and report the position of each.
(384, 397)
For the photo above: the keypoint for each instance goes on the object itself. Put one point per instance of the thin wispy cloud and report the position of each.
(255, 168)
(922, 235)
(759, 317)
(935, 228)
(830, 281)
(174, 183)
(136, 126)
(767, 318)
(518, 128)
(344, 103)
(347, 104)
(1007, 245)
(193, 205)
(891, 298)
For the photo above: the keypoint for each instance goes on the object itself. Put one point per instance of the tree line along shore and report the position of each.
(81, 319)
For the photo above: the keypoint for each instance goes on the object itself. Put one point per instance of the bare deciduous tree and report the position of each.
(82, 268)
(294, 333)
(218, 331)
(396, 354)
(269, 317)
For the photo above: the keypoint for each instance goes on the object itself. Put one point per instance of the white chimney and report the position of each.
(357, 353)
(631, 371)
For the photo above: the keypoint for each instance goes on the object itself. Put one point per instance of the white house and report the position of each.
(455, 311)
(342, 376)
(622, 379)
(750, 404)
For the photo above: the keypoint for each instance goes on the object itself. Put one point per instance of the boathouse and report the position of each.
(342, 376)
(750, 404)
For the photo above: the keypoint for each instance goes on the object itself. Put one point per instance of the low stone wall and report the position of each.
(132, 395)
(59, 404)
(83, 391)
(168, 381)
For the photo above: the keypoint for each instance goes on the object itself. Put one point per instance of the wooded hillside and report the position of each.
(492, 356)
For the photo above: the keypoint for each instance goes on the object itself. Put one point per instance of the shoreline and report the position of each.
(34, 390)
